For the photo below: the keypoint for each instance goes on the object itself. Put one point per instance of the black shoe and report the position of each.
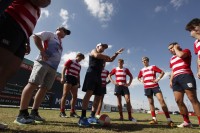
(24, 119)
(36, 117)
(63, 115)
(74, 115)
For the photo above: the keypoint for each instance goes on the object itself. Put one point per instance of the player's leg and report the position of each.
(74, 93)
(164, 108)
(119, 105)
(100, 105)
(152, 108)
(179, 97)
(47, 82)
(192, 96)
(66, 89)
(129, 108)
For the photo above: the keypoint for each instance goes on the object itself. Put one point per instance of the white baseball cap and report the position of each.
(102, 44)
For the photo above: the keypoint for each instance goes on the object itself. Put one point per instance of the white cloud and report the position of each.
(72, 55)
(44, 13)
(100, 9)
(65, 17)
(160, 8)
(128, 51)
(177, 3)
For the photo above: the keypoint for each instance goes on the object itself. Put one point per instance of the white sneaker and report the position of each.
(97, 116)
(133, 120)
(185, 124)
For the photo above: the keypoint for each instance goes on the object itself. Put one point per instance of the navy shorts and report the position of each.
(12, 37)
(121, 90)
(69, 79)
(93, 82)
(183, 81)
(152, 91)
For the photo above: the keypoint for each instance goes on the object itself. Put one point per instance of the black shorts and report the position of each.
(121, 90)
(183, 81)
(69, 79)
(92, 82)
(4, 4)
(152, 91)
(103, 89)
(12, 37)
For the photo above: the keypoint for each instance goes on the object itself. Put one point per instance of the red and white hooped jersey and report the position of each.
(104, 75)
(197, 48)
(149, 74)
(181, 65)
(74, 68)
(25, 13)
(120, 74)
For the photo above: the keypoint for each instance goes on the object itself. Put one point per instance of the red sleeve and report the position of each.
(140, 74)
(187, 51)
(128, 72)
(68, 63)
(113, 72)
(155, 68)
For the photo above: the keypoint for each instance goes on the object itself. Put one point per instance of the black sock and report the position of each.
(83, 114)
(23, 112)
(34, 111)
(93, 113)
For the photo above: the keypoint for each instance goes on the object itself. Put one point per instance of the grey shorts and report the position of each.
(42, 75)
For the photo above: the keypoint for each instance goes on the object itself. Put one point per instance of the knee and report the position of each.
(179, 102)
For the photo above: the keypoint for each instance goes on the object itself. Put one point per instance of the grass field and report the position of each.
(55, 124)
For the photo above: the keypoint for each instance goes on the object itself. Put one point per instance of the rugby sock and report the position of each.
(83, 114)
(167, 116)
(198, 119)
(72, 110)
(62, 109)
(186, 118)
(153, 114)
(93, 113)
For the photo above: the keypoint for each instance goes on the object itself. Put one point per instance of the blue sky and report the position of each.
(142, 27)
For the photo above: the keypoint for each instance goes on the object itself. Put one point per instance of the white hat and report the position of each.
(102, 44)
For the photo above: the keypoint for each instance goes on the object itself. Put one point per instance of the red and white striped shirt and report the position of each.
(120, 74)
(25, 13)
(197, 48)
(104, 75)
(74, 68)
(181, 65)
(149, 74)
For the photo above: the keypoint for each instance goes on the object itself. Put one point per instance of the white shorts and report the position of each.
(42, 75)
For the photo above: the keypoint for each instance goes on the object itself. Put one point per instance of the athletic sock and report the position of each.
(153, 114)
(93, 113)
(22, 112)
(167, 116)
(198, 119)
(83, 114)
(186, 118)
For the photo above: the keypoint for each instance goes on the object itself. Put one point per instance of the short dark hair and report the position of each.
(66, 31)
(145, 58)
(80, 55)
(173, 43)
(121, 60)
(191, 25)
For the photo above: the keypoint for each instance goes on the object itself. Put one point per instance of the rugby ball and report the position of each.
(104, 120)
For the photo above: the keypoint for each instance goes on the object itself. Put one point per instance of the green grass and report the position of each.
(55, 124)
